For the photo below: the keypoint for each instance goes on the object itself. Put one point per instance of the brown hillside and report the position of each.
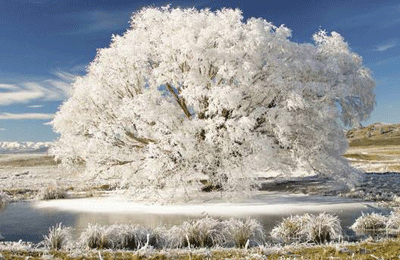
(377, 134)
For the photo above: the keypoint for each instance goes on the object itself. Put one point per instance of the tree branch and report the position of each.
(142, 140)
(180, 100)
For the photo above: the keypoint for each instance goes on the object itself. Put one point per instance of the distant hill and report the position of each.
(378, 134)
(24, 147)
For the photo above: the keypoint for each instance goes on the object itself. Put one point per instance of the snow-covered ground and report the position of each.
(375, 158)
(22, 176)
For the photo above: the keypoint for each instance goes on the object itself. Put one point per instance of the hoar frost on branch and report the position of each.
(186, 95)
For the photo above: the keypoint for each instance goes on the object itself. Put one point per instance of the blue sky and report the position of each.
(44, 44)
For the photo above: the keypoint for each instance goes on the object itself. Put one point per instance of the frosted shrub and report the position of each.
(112, 237)
(393, 223)
(137, 236)
(291, 229)
(204, 232)
(94, 237)
(370, 223)
(102, 237)
(185, 94)
(308, 227)
(4, 199)
(52, 193)
(59, 237)
(157, 237)
(242, 233)
(122, 236)
(322, 228)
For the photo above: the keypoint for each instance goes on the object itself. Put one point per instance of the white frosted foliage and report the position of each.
(186, 95)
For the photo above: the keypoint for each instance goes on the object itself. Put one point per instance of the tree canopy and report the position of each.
(186, 95)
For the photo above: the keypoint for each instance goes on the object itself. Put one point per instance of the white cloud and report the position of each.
(98, 20)
(20, 95)
(57, 88)
(7, 87)
(11, 116)
(392, 61)
(2, 129)
(79, 69)
(36, 106)
(386, 46)
(387, 15)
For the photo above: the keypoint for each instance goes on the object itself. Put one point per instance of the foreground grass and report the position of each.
(385, 249)
(136, 255)
(29, 161)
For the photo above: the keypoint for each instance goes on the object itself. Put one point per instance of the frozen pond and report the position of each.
(29, 221)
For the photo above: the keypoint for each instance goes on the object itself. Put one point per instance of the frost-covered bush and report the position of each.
(4, 199)
(370, 223)
(204, 232)
(186, 95)
(52, 193)
(122, 236)
(393, 223)
(291, 229)
(308, 228)
(101, 237)
(137, 236)
(244, 233)
(59, 237)
(322, 228)
(210, 232)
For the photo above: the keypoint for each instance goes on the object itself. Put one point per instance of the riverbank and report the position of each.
(369, 249)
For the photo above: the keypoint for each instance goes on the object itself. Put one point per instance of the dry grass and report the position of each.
(199, 233)
(368, 250)
(290, 229)
(374, 142)
(52, 193)
(102, 237)
(318, 229)
(366, 157)
(370, 224)
(204, 232)
(131, 237)
(59, 237)
(4, 199)
(244, 233)
(39, 160)
(322, 228)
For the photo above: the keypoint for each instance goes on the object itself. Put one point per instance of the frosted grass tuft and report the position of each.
(370, 223)
(322, 228)
(52, 193)
(4, 199)
(290, 229)
(59, 237)
(318, 229)
(244, 233)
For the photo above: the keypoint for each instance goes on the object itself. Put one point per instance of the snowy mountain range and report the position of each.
(24, 147)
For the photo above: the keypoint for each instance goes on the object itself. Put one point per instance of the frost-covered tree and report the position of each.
(186, 95)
